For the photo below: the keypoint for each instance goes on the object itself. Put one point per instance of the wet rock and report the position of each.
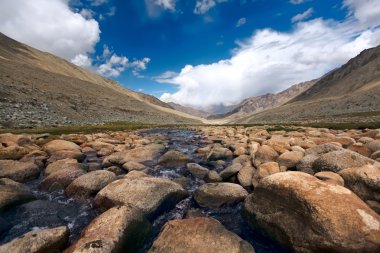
(59, 145)
(65, 164)
(322, 214)
(330, 178)
(374, 145)
(19, 171)
(265, 154)
(120, 229)
(130, 166)
(141, 154)
(200, 235)
(245, 175)
(194, 213)
(197, 171)
(230, 171)
(60, 179)
(213, 177)
(90, 184)
(66, 154)
(219, 153)
(12, 152)
(51, 240)
(13, 193)
(216, 194)
(152, 195)
(364, 181)
(336, 161)
(290, 159)
(173, 159)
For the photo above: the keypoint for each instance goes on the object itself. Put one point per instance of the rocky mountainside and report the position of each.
(189, 110)
(350, 93)
(40, 89)
(260, 103)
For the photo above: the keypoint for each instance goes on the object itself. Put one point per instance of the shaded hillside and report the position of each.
(189, 110)
(348, 94)
(260, 103)
(40, 89)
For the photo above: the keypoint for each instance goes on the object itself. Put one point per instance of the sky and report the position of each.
(198, 52)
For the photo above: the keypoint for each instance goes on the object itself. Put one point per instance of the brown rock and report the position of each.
(13, 193)
(197, 171)
(66, 154)
(130, 166)
(60, 179)
(245, 175)
(230, 171)
(219, 153)
(12, 152)
(65, 164)
(198, 235)
(213, 177)
(51, 240)
(328, 218)
(120, 229)
(374, 145)
(330, 178)
(290, 159)
(361, 149)
(19, 171)
(265, 154)
(59, 145)
(217, 194)
(173, 159)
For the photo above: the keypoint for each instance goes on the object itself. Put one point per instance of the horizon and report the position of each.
(246, 42)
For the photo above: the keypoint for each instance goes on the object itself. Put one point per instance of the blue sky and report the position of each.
(198, 52)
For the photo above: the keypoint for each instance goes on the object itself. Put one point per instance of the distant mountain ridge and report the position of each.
(40, 89)
(189, 110)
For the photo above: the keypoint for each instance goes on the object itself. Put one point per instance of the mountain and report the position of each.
(253, 105)
(350, 93)
(189, 110)
(40, 89)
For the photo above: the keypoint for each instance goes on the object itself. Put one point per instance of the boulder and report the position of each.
(120, 229)
(198, 235)
(321, 149)
(52, 240)
(360, 148)
(13, 193)
(330, 177)
(130, 166)
(219, 153)
(374, 145)
(173, 159)
(90, 184)
(265, 154)
(375, 155)
(197, 171)
(328, 218)
(245, 175)
(12, 152)
(230, 171)
(213, 177)
(59, 145)
(290, 159)
(141, 155)
(364, 181)
(152, 195)
(60, 180)
(336, 161)
(306, 164)
(65, 164)
(267, 169)
(216, 194)
(66, 154)
(19, 171)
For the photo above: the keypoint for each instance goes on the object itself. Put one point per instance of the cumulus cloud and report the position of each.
(112, 65)
(241, 22)
(49, 26)
(166, 4)
(203, 6)
(302, 16)
(271, 61)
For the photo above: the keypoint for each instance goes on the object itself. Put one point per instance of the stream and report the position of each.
(55, 209)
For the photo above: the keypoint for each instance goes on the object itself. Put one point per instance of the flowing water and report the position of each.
(54, 209)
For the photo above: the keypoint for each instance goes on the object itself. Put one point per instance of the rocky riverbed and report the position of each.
(202, 189)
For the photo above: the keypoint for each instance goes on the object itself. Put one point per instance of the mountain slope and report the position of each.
(260, 103)
(189, 110)
(40, 89)
(348, 94)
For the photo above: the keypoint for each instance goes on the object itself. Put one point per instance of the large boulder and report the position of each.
(322, 149)
(173, 159)
(60, 180)
(66, 154)
(364, 181)
(330, 177)
(120, 229)
(152, 195)
(265, 154)
(245, 176)
(13, 193)
(12, 152)
(219, 153)
(141, 155)
(230, 171)
(197, 171)
(310, 215)
(290, 159)
(19, 171)
(374, 145)
(59, 145)
(90, 184)
(65, 164)
(336, 161)
(216, 194)
(51, 240)
(198, 235)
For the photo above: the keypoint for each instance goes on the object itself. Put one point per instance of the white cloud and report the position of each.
(298, 1)
(203, 6)
(82, 60)
(271, 61)
(87, 13)
(98, 2)
(166, 4)
(241, 22)
(49, 26)
(302, 16)
(366, 11)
